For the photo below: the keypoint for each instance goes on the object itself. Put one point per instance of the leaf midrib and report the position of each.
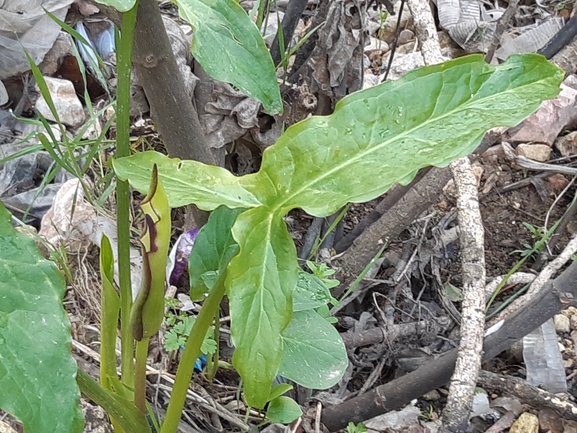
(212, 194)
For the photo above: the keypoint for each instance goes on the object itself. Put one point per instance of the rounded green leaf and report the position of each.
(37, 371)
(283, 410)
(230, 48)
(213, 248)
(310, 292)
(314, 353)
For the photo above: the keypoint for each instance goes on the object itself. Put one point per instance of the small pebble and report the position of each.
(536, 152)
(406, 36)
(526, 423)
(562, 323)
(432, 395)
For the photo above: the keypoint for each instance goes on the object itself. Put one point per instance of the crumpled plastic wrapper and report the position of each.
(18, 180)
(472, 27)
(25, 28)
(74, 223)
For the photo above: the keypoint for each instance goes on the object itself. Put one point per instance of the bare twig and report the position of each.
(516, 278)
(463, 381)
(501, 27)
(554, 266)
(426, 31)
(528, 393)
(552, 298)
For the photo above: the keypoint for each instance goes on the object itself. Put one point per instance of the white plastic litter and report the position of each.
(543, 359)
(26, 28)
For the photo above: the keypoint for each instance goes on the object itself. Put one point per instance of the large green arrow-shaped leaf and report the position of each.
(37, 371)
(186, 182)
(375, 138)
(260, 281)
(384, 134)
(229, 46)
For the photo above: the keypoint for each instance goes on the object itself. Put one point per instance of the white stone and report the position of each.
(377, 44)
(65, 101)
(406, 36)
(536, 152)
(562, 323)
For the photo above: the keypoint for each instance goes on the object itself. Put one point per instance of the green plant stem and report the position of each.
(537, 247)
(212, 366)
(190, 354)
(261, 14)
(508, 301)
(358, 280)
(124, 60)
(332, 227)
(140, 374)
(122, 410)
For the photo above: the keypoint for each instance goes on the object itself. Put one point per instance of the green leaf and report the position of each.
(359, 428)
(213, 248)
(230, 48)
(147, 311)
(310, 292)
(325, 313)
(279, 390)
(314, 353)
(186, 182)
(119, 5)
(208, 345)
(283, 410)
(384, 134)
(260, 281)
(109, 319)
(172, 341)
(37, 371)
(119, 408)
(454, 294)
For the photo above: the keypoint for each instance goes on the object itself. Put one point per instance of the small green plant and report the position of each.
(541, 239)
(382, 18)
(287, 52)
(562, 5)
(359, 428)
(179, 327)
(430, 415)
(322, 271)
(537, 234)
